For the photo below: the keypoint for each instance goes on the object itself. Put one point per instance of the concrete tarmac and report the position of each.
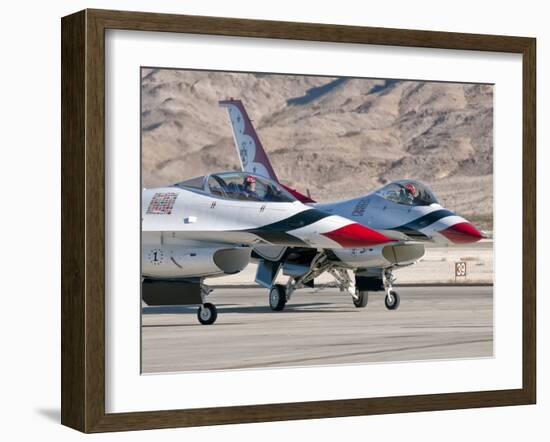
(319, 327)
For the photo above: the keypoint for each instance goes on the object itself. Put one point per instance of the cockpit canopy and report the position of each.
(408, 192)
(239, 186)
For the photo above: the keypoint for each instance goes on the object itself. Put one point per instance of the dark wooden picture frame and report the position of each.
(83, 220)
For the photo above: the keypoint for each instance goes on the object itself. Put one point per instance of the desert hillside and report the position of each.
(336, 137)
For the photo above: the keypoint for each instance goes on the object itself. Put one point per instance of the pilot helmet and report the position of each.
(412, 189)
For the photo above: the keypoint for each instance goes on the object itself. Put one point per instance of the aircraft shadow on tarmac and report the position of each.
(231, 308)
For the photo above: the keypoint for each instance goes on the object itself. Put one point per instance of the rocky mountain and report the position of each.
(337, 137)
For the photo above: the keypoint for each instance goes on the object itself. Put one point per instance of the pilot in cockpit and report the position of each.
(410, 193)
(249, 186)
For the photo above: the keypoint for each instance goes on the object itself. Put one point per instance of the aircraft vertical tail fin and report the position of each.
(249, 147)
(251, 153)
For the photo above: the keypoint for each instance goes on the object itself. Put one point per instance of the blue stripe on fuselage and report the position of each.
(413, 228)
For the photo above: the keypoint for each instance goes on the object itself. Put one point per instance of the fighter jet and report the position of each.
(207, 227)
(406, 211)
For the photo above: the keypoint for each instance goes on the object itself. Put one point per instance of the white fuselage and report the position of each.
(404, 223)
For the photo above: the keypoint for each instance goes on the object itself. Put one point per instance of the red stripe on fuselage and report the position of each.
(356, 235)
(462, 233)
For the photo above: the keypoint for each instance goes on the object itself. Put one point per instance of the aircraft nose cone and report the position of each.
(356, 235)
(462, 233)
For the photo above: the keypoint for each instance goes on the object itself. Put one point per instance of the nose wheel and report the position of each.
(392, 297)
(207, 313)
(391, 300)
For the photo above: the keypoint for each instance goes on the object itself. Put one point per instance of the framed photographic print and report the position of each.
(268, 221)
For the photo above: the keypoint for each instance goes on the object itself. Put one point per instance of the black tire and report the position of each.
(393, 305)
(361, 300)
(207, 314)
(277, 297)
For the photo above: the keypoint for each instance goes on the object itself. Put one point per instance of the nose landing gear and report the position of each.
(207, 312)
(392, 300)
(392, 297)
(157, 292)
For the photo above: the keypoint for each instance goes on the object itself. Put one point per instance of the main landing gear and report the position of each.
(346, 282)
(280, 294)
(361, 299)
(277, 297)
